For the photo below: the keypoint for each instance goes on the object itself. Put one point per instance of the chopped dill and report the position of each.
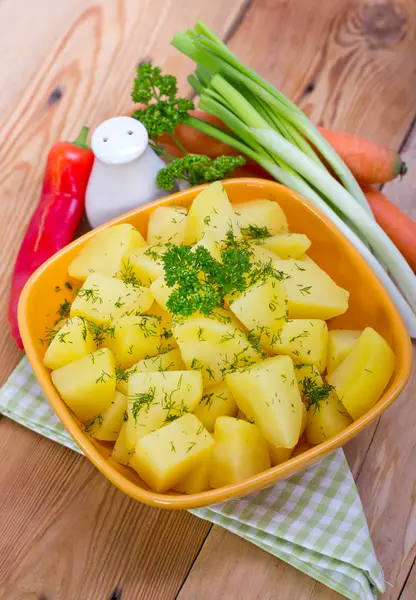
(61, 337)
(207, 399)
(64, 308)
(304, 334)
(191, 445)
(254, 232)
(142, 401)
(94, 424)
(102, 377)
(313, 393)
(305, 290)
(127, 274)
(90, 294)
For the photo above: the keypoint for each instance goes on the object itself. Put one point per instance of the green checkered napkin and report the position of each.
(313, 521)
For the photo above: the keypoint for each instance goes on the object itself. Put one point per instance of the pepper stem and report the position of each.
(81, 140)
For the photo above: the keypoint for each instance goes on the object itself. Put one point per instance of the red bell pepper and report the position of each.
(57, 215)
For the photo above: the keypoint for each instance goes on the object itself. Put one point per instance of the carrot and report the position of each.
(368, 161)
(200, 143)
(197, 142)
(400, 228)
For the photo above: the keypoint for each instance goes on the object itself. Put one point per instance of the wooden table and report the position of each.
(65, 532)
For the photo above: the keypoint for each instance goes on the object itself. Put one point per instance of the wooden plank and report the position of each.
(387, 486)
(220, 571)
(391, 517)
(67, 533)
(347, 63)
(402, 191)
(383, 460)
(409, 591)
(77, 69)
(334, 44)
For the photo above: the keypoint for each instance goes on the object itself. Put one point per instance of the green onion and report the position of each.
(271, 130)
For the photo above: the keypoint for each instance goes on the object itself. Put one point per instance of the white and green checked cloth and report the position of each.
(313, 521)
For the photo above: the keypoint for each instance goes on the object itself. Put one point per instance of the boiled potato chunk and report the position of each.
(87, 385)
(326, 416)
(305, 371)
(144, 263)
(73, 341)
(168, 341)
(262, 308)
(213, 344)
(209, 242)
(107, 426)
(164, 457)
(103, 299)
(311, 293)
(166, 225)
(262, 255)
(261, 213)
(217, 401)
(240, 451)
(211, 210)
(362, 376)
(268, 393)
(278, 455)
(326, 420)
(134, 338)
(305, 340)
(121, 453)
(197, 480)
(104, 252)
(304, 420)
(340, 344)
(155, 399)
(168, 361)
(288, 245)
(161, 292)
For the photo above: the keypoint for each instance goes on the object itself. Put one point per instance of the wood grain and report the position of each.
(387, 486)
(221, 568)
(348, 63)
(409, 590)
(88, 51)
(348, 39)
(67, 533)
(402, 191)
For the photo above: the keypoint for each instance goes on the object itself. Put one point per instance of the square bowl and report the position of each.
(370, 305)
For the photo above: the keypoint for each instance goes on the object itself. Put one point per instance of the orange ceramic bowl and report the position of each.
(369, 305)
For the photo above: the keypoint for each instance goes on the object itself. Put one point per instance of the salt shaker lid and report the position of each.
(119, 140)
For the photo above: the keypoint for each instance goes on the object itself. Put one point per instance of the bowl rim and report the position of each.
(260, 480)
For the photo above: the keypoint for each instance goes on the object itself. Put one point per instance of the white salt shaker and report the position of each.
(124, 173)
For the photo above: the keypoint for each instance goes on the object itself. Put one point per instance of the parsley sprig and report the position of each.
(197, 169)
(161, 111)
(200, 282)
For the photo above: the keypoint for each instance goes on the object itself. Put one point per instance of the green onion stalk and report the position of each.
(272, 131)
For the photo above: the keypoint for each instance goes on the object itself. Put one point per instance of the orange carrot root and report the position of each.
(400, 228)
(369, 162)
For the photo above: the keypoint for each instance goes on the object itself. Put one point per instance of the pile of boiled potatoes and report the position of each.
(191, 403)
